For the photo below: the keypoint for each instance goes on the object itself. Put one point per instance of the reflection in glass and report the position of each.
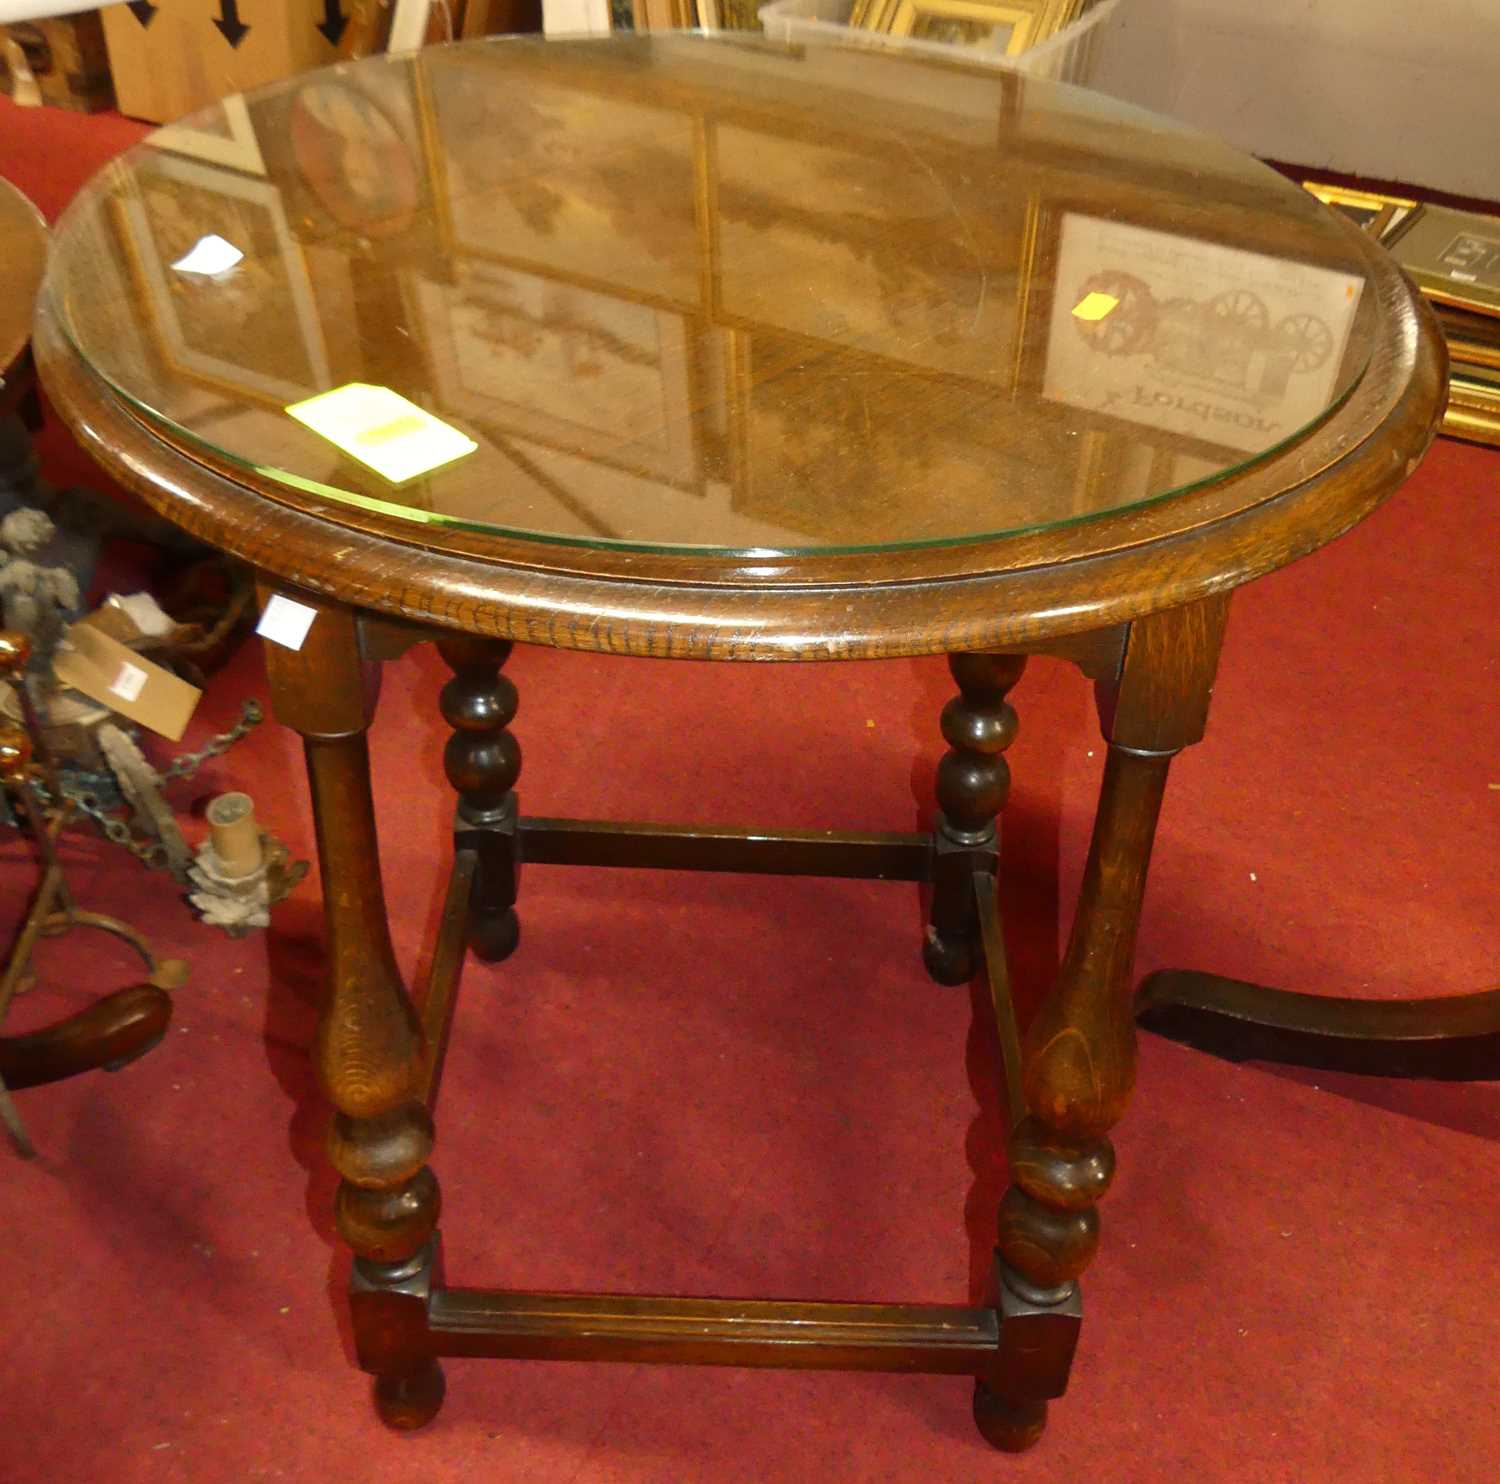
(1238, 349)
(680, 291)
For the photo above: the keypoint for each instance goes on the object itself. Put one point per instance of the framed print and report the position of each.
(216, 327)
(805, 245)
(1233, 348)
(347, 148)
(1380, 216)
(826, 440)
(353, 155)
(1454, 256)
(1473, 409)
(562, 366)
(588, 186)
(1007, 26)
(1473, 339)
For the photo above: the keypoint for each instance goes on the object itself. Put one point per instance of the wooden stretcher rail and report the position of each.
(590, 842)
(443, 975)
(942, 1339)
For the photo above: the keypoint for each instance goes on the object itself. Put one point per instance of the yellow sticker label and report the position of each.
(380, 428)
(1094, 305)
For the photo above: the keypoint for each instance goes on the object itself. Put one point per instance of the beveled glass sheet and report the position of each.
(712, 293)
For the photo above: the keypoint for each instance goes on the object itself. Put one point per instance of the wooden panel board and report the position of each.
(182, 58)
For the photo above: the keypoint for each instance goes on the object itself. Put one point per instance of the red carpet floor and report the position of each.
(743, 1085)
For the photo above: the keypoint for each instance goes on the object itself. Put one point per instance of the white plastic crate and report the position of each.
(1066, 57)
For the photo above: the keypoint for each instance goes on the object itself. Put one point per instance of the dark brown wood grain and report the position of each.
(482, 761)
(1006, 593)
(371, 1051)
(111, 1032)
(23, 252)
(1452, 1038)
(1079, 1056)
(1137, 596)
(973, 782)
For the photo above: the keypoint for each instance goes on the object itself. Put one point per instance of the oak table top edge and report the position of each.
(1104, 571)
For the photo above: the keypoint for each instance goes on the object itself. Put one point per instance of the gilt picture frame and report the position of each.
(1005, 26)
(1373, 212)
(1454, 258)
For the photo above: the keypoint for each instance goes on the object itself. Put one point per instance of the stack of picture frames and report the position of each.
(667, 15)
(1005, 26)
(1454, 259)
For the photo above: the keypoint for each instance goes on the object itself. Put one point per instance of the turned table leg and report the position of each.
(1080, 1052)
(973, 780)
(483, 761)
(370, 1048)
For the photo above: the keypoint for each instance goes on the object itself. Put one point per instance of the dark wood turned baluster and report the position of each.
(1080, 1051)
(973, 780)
(369, 1057)
(1079, 1063)
(370, 1048)
(483, 761)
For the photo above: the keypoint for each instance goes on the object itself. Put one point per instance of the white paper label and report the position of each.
(285, 622)
(129, 683)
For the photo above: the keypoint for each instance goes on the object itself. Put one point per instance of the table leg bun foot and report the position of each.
(949, 960)
(1012, 1427)
(408, 1402)
(492, 939)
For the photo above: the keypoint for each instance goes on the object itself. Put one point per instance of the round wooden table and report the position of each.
(683, 346)
(23, 251)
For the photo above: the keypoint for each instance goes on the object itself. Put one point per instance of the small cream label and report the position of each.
(285, 622)
(129, 682)
(383, 430)
(1095, 305)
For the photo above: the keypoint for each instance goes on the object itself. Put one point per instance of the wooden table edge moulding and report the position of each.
(1137, 598)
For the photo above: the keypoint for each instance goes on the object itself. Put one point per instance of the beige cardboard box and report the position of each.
(182, 58)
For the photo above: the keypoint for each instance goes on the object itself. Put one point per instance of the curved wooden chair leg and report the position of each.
(111, 1033)
(1450, 1038)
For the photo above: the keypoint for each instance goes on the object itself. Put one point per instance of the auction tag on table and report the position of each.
(380, 428)
(285, 621)
(103, 669)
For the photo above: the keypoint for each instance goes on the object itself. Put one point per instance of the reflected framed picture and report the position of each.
(1235, 349)
(589, 374)
(213, 326)
(945, 294)
(351, 155)
(591, 187)
(222, 135)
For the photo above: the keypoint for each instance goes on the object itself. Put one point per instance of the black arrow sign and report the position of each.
(333, 23)
(143, 10)
(229, 22)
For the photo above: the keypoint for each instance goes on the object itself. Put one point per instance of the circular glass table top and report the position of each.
(686, 292)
